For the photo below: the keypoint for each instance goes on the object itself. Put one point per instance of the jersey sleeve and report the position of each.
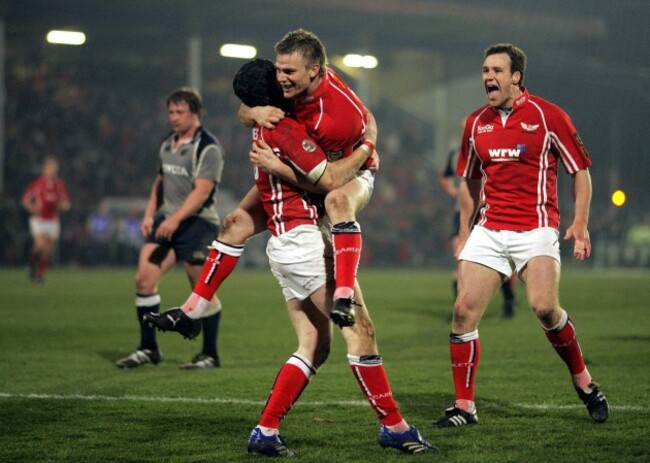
(211, 162)
(567, 144)
(468, 165)
(299, 149)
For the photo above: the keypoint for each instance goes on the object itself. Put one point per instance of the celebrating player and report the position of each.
(508, 161)
(296, 254)
(336, 119)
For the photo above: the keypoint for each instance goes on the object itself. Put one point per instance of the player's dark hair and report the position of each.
(255, 85)
(307, 44)
(516, 54)
(187, 95)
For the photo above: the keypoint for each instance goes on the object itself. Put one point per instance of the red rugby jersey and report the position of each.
(49, 193)
(518, 160)
(333, 115)
(286, 205)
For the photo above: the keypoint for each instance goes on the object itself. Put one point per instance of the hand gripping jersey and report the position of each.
(517, 156)
(286, 205)
(50, 193)
(333, 115)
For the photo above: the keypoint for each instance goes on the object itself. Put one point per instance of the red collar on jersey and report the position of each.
(322, 88)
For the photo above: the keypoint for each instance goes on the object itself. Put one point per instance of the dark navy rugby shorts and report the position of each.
(190, 241)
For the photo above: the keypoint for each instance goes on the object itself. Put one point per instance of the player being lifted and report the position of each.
(336, 119)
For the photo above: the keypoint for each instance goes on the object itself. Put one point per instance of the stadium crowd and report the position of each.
(105, 130)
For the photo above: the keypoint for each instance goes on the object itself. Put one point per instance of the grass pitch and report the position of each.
(63, 400)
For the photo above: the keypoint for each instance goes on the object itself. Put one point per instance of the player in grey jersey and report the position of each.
(179, 224)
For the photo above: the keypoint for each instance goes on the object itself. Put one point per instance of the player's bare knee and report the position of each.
(228, 223)
(337, 201)
(235, 228)
(144, 283)
(545, 313)
(461, 312)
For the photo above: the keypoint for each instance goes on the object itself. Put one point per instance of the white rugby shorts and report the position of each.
(368, 179)
(49, 228)
(296, 259)
(507, 251)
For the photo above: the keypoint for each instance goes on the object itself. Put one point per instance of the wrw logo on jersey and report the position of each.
(507, 154)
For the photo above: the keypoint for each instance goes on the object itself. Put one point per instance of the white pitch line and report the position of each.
(197, 400)
(341, 403)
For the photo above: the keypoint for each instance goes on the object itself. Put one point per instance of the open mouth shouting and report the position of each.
(493, 92)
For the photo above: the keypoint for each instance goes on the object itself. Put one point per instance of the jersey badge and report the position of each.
(529, 128)
(308, 146)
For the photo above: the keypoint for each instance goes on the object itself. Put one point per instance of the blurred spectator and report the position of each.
(81, 115)
(100, 228)
(129, 237)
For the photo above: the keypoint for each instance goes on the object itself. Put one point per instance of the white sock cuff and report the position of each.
(305, 365)
(365, 360)
(460, 338)
(235, 251)
(564, 318)
(149, 300)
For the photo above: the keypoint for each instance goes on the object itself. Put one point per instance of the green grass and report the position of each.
(62, 399)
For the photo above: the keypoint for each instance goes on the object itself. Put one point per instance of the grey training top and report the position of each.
(201, 157)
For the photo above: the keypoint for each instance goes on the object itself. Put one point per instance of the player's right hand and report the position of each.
(146, 226)
(372, 163)
(267, 116)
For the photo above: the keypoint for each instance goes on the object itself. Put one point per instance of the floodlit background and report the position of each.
(99, 105)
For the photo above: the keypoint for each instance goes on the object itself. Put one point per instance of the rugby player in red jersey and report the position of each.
(299, 260)
(44, 198)
(509, 158)
(336, 119)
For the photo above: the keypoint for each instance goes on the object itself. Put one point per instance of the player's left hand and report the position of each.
(166, 229)
(582, 244)
(262, 157)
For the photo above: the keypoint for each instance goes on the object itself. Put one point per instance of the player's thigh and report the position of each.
(349, 198)
(311, 315)
(477, 284)
(542, 279)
